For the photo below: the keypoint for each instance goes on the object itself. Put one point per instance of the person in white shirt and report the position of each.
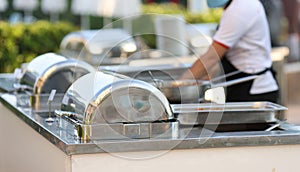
(242, 44)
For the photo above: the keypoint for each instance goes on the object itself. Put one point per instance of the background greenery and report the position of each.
(209, 16)
(22, 42)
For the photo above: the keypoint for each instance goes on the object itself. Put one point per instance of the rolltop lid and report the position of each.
(52, 71)
(107, 98)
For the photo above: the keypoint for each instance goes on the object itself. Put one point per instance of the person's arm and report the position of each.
(201, 67)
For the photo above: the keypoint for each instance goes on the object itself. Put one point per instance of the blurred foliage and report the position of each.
(21, 42)
(209, 16)
(163, 8)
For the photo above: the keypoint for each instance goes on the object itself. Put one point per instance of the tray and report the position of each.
(228, 113)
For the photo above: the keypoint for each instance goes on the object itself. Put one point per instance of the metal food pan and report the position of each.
(228, 113)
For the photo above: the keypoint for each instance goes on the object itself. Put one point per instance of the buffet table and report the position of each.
(30, 144)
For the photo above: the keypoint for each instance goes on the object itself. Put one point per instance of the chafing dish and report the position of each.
(45, 73)
(99, 47)
(228, 113)
(114, 106)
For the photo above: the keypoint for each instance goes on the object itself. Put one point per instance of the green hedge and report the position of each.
(21, 42)
(209, 16)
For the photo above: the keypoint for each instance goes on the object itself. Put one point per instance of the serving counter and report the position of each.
(28, 143)
(31, 144)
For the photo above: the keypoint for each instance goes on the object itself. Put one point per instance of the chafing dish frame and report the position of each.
(144, 130)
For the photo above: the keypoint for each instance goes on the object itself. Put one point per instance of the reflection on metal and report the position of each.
(44, 73)
(99, 47)
(116, 101)
(231, 113)
(51, 71)
(61, 134)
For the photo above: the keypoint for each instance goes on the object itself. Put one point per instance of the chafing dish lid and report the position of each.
(107, 98)
(52, 71)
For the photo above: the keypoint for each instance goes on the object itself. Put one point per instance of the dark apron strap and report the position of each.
(241, 92)
(229, 68)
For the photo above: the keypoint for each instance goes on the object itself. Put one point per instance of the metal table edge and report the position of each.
(217, 140)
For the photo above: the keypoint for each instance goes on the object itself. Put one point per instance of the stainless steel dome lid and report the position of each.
(100, 98)
(52, 71)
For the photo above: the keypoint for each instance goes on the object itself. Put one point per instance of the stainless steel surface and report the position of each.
(176, 91)
(159, 130)
(137, 130)
(235, 81)
(192, 91)
(45, 73)
(184, 91)
(118, 101)
(229, 113)
(99, 47)
(273, 127)
(171, 70)
(111, 98)
(51, 71)
(39, 102)
(61, 134)
(7, 81)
